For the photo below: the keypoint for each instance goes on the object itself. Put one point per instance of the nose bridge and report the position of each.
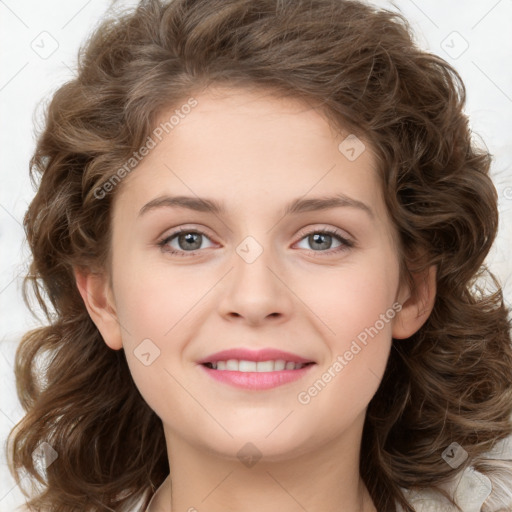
(253, 262)
(255, 291)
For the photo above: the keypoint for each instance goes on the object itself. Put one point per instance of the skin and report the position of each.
(255, 152)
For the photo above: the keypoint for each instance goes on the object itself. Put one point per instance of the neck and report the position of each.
(325, 479)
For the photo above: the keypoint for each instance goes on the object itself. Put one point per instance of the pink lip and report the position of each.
(257, 380)
(266, 354)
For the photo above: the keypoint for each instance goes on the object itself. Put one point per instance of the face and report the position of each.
(270, 268)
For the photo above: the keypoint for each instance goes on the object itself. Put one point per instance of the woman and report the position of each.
(257, 370)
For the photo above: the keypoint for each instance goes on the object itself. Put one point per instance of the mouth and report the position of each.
(255, 369)
(245, 366)
(256, 375)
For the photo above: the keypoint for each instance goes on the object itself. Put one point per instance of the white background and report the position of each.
(28, 77)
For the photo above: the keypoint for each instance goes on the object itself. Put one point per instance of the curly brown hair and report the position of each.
(451, 380)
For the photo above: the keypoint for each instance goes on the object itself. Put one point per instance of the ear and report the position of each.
(416, 305)
(99, 301)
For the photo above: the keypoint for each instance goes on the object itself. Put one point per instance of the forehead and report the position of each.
(251, 117)
(247, 144)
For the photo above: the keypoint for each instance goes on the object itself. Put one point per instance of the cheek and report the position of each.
(154, 308)
(352, 297)
(151, 299)
(355, 304)
(357, 352)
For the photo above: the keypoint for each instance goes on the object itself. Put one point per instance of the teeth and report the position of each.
(253, 366)
(278, 366)
(265, 366)
(232, 364)
(245, 366)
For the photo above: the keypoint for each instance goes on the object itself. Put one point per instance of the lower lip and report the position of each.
(257, 380)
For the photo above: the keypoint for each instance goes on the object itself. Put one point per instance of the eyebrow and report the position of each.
(299, 205)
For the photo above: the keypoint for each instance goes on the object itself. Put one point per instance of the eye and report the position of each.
(183, 241)
(187, 240)
(322, 240)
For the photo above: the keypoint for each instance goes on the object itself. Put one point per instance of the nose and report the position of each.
(257, 289)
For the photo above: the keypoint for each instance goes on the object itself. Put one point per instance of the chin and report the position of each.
(261, 446)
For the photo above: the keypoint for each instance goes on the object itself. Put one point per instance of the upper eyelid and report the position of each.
(176, 230)
(328, 229)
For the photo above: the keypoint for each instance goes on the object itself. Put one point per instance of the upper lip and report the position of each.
(266, 354)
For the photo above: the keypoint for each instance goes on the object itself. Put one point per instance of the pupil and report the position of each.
(315, 238)
(189, 238)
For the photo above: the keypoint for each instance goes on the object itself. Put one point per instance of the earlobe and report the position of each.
(97, 296)
(417, 307)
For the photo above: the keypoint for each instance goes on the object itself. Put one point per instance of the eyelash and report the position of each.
(345, 243)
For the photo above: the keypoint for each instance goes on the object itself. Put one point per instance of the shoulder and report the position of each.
(473, 490)
(469, 490)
